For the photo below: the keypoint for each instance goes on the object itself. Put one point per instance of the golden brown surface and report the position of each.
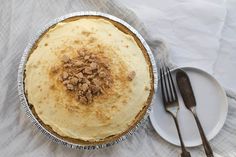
(110, 115)
(85, 76)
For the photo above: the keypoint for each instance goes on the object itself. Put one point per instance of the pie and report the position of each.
(88, 79)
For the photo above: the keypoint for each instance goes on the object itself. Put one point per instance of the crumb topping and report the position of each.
(131, 75)
(86, 76)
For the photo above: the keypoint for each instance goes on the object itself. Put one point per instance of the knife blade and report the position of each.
(185, 89)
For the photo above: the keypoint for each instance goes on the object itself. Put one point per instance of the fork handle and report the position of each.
(205, 142)
(184, 153)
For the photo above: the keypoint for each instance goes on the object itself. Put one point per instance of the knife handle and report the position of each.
(205, 142)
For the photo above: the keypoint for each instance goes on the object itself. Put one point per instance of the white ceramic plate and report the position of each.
(212, 107)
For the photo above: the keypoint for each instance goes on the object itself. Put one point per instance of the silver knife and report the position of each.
(187, 94)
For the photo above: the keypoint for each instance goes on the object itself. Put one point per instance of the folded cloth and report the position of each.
(19, 22)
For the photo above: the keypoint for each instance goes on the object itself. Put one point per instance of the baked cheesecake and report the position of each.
(88, 79)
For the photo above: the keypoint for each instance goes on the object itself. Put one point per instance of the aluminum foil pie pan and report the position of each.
(26, 106)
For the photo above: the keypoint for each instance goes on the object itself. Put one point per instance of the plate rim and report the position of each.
(220, 125)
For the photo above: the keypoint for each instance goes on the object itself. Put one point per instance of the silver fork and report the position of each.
(170, 101)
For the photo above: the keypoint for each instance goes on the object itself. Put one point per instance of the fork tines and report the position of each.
(167, 86)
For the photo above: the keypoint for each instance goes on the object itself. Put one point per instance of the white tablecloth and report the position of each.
(199, 33)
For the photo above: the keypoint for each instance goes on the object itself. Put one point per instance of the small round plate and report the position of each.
(212, 108)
